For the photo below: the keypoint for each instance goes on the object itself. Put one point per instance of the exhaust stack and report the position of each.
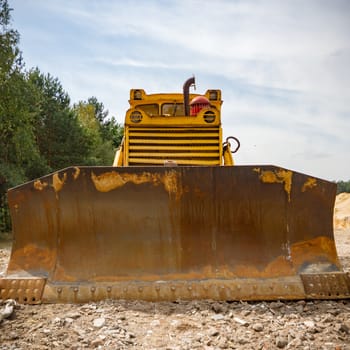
(186, 92)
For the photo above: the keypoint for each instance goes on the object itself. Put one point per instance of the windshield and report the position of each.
(150, 109)
(167, 109)
(172, 109)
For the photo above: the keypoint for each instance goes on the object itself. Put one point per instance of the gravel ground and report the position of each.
(182, 325)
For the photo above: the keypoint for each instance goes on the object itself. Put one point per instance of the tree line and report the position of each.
(343, 186)
(40, 129)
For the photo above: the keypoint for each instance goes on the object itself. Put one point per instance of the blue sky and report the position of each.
(283, 66)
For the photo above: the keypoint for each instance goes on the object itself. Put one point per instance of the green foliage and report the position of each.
(103, 132)
(5, 221)
(17, 142)
(39, 130)
(10, 55)
(343, 186)
(113, 132)
(61, 139)
(15, 126)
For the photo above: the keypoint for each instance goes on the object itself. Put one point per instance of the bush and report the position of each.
(343, 186)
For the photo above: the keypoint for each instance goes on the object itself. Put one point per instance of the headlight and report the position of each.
(137, 95)
(209, 116)
(136, 117)
(213, 95)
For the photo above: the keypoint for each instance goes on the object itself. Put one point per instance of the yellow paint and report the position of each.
(277, 176)
(112, 180)
(309, 183)
(58, 183)
(165, 133)
(107, 181)
(38, 185)
(161, 98)
(171, 183)
(76, 173)
(228, 159)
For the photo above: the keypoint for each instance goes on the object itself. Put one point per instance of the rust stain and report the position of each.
(31, 257)
(76, 173)
(309, 183)
(277, 176)
(61, 275)
(279, 267)
(152, 277)
(112, 180)
(58, 183)
(320, 250)
(314, 251)
(38, 185)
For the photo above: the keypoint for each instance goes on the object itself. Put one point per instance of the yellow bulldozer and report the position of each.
(173, 218)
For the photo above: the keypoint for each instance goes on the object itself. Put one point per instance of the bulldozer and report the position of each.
(173, 219)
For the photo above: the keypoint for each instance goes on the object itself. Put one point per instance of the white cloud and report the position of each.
(282, 65)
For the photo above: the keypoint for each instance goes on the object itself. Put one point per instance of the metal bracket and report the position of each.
(25, 290)
(326, 285)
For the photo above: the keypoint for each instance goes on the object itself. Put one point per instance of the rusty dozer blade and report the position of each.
(167, 233)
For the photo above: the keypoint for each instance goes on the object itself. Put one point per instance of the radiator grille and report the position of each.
(185, 146)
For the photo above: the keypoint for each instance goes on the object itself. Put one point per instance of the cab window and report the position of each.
(172, 109)
(150, 109)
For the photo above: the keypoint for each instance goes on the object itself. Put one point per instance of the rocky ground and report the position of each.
(181, 325)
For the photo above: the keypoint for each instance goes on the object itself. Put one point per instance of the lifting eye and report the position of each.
(227, 143)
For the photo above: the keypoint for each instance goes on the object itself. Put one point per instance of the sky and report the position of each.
(283, 66)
